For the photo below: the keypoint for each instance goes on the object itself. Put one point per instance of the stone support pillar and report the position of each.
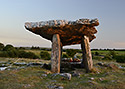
(56, 54)
(87, 62)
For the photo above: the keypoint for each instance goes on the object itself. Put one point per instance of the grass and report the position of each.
(11, 60)
(37, 52)
(31, 77)
(104, 52)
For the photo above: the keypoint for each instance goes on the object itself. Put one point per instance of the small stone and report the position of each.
(76, 74)
(54, 86)
(100, 63)
(64, 75)
(67, 75)
(92, 78)
(92, 82)
(27, 85)
(121, 67)
(51, 87)
(44, 75)
(22, 67)
(100, 79)
(2, 68)
(20, 63)
(59, 87)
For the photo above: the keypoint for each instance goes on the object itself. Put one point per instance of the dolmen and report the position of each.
(62, 33)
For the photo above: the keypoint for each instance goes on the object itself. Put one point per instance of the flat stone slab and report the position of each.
(71, 62)
(70, 32)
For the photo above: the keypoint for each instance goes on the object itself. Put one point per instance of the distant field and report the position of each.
(107, 51)
(37, 52)
(12, 60)
(101, 52)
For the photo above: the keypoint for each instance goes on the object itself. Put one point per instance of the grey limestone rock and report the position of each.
(67, 76)
(70, 32)
(58, 23)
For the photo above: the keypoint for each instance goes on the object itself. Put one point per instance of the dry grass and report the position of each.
(31, 77)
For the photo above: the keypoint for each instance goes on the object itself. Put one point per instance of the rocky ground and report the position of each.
(35, 74)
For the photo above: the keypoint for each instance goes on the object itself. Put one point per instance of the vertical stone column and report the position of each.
(56, 54)
(87, 62)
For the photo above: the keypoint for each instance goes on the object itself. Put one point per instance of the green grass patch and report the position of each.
(31, 77)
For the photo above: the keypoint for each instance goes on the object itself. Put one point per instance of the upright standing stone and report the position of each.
(70, 33)
(87, 57)
(56, 54)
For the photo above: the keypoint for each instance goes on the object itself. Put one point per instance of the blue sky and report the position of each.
(14, 13)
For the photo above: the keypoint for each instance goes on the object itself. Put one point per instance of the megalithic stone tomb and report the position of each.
(62, 33)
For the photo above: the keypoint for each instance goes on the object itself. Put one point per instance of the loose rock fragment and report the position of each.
(67, 76)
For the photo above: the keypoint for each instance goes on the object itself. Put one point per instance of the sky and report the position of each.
(14, 14)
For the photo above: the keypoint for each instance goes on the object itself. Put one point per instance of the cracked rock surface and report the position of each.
(70, 32)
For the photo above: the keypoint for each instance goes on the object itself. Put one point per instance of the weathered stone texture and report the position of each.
(70, 32)
(87, 57)
(56, 54)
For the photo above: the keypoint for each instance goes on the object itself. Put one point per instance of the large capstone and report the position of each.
(70, 32)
